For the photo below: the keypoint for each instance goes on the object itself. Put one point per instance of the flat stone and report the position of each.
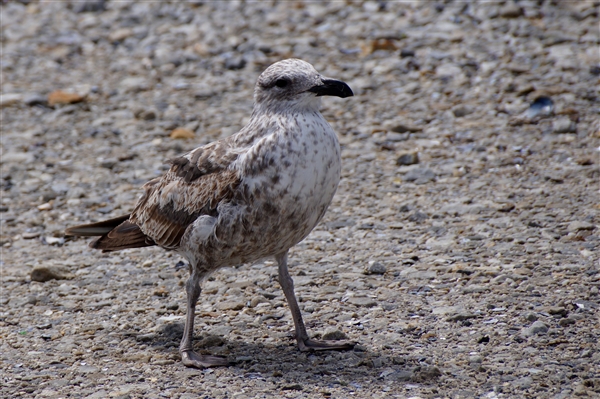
(410, 158)
(230, 305)
(362, 301)
(564, 125)
(333, 334)
(375, 268)
(580, 225)
(46, 273)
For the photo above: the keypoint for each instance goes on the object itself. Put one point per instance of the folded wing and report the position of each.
(195, 185)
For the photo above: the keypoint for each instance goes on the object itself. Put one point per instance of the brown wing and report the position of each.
(194, 186)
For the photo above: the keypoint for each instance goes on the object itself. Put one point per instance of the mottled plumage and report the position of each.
(249, 196)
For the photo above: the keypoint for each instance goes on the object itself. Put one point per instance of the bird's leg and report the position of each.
(188, 356)
(305, 344)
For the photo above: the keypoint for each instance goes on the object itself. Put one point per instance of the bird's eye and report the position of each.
(281, 82)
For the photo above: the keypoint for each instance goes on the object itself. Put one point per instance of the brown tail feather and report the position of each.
(115, 234)
(95, 229)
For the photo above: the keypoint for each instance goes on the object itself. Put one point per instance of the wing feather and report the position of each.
(194, 186)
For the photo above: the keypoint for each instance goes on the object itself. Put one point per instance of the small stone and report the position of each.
(507, 207)
(292, 387)
(35, 99)
(566, 322)
(235, 62)
(210, 341)
(59, 97)
(410, 158)
(511, 10)
(462, 110)
(402, 375)
(8, 99)
(536, 328)
(230, 305)
(145, 337)
(108, 163)
(333, 334)
(90, 6)
(120, 34)
(530, 316)
(46, 273)
(134, 84)
(255, 301)
(564, 125)
(417, 217)
(523, 383)
(406, 52)
(401, 128)
(49, 240)
(375, 268)
(420, 176)
(362, 301)
(541, 106)
(146, 114)
(45, 207)
(423, 374)
(557, 310)
(577, 225)
(182, 133)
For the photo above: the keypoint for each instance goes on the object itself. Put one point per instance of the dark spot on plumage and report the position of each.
(270, 209)
(184, 168)
(275, 179)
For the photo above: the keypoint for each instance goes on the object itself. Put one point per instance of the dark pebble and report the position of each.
(410, 158)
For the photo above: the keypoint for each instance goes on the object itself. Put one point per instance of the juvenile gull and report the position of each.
(246, 197)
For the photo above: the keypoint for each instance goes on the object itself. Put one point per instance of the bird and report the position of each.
(244, 198)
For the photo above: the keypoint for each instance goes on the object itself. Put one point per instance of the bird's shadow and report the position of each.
(350, 368)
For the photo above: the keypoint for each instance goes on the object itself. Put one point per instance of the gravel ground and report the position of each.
(461, 250)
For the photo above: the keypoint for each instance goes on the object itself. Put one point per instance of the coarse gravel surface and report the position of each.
(461, 250)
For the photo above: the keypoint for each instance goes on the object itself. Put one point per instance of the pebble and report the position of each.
(578, 225)
(46, 273)
(59, 97)
(410, 158)
(9, 99)
(511, 10)
(182, 133)
(35, 99)
(536, 328)
(375, 268)
(462, 110)
(530, 316)
(230, 305)
(542, 106)
(420, 175)
(362, 301)
(564, 125)
(333, 334)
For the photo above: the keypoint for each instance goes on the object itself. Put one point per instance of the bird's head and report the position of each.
(293, 84)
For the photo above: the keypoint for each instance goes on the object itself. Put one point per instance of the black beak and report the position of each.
(331, 87)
